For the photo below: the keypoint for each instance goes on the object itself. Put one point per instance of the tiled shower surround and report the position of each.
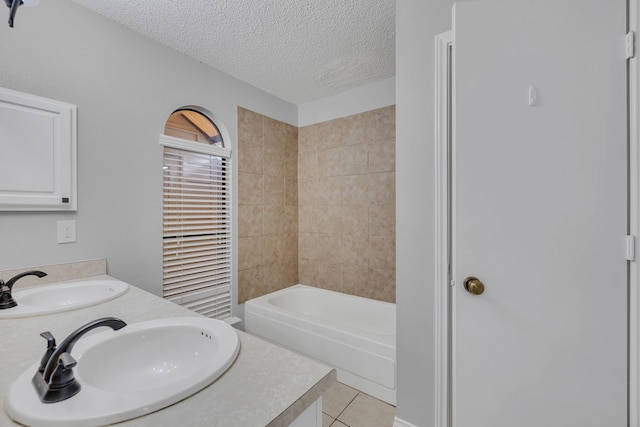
(330, 221)
(267, 205)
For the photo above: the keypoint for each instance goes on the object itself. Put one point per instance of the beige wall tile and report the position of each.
(330, 218)
(274, 277)
(291, 164)
(250, 252)
(382, 221)
(268, 204)
(356, 220)
(291, 250)
(328, 247)
(354, 159)
(273, 160)
(291, 192)
(250, 189)
(274, 220)
(307, 165)
(290, 219)
(329, 191)
(322, 199)
(382, 253)
(250, 220)
(291, 273)
(355, 250)
(355, 190)
(307, 138)
(307, 271)
(274, 249)
(273, 190)
(382, 156)
(382, 285)
(329, 134)
(355, 279)
(250, 128)
(275, 134)
(355, 130)
(320, 247)
(251, 159)
(307, 248)
(329, 276)
(307, 192)
(250, 284)
(330, 162)
(382, 124)
(363, 210)
(307, 219)
(291, 138)
(341, 126)
(381, 188)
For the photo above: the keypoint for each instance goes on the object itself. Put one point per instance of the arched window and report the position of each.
(196, 213)
(192, 125)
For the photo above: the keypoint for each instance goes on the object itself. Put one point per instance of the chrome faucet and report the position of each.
(6, 300)
(54, 381)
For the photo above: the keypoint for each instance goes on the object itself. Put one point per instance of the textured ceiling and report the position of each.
(298, 50)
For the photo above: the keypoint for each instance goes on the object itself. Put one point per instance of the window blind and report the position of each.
(197, 231)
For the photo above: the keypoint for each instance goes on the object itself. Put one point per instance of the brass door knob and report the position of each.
(473, 286)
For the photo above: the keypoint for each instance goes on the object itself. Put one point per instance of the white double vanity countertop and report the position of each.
(266, 386)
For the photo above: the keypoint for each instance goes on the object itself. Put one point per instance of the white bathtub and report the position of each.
(355, 335)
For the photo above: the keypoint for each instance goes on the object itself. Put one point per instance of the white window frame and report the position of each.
(191, 301)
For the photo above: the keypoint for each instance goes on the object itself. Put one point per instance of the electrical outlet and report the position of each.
(66, 231)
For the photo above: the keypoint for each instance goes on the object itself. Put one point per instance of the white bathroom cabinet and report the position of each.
(38, 162)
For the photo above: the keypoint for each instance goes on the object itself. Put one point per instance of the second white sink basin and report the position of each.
(64, 296)
(132, 372)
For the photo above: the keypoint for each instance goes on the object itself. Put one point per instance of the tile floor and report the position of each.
(343, 406)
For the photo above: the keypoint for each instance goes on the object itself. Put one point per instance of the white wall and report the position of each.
(353, 101)
(125, 87)
(417, 23)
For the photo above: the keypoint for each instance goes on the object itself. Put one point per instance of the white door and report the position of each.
(540, 213)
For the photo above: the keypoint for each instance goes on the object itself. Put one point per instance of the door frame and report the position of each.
(443, 44)
(445, 308)
(633, 87)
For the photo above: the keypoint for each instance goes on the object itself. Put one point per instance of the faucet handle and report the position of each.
(51, 347)
(66, 361)
(63, 374)
(51, 341)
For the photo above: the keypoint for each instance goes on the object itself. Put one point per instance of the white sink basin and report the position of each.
(55, 298)
(132, 372)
